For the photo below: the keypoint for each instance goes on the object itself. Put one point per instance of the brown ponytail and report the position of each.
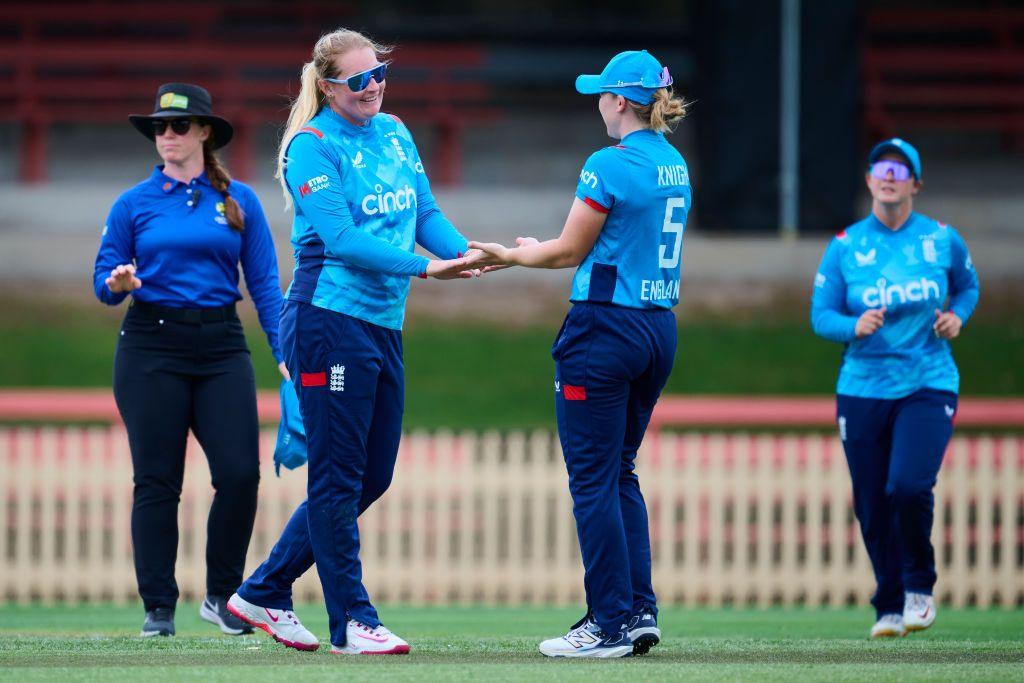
(663, 113)
(221, 181)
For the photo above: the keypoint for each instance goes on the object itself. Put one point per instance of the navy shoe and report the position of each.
(644, 631)
(215, 610)
(159, 622)
(585, 639)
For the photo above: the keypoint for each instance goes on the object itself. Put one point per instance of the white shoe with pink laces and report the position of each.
(281, 624)
(361, 639)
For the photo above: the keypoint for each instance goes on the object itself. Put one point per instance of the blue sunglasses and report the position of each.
(358, 82)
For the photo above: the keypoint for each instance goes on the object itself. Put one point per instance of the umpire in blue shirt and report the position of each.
(174, 242)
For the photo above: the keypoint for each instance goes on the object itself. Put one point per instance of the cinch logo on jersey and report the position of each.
(659, 290)
(885, 294)
(588, 178)
(313, 185)
(673, 175)
(386, 202)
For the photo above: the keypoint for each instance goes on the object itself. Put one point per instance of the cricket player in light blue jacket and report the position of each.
(895, 288)
(362, 202)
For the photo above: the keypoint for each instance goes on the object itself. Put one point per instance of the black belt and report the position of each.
(186, 315)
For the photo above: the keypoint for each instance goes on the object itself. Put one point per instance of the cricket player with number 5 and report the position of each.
(616, 347)
(895, 288)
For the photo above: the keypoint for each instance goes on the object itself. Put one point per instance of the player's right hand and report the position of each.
(869, 322)
(450, 269)
(122, 279)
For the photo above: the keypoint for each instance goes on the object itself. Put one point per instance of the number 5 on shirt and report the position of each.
(670, 227)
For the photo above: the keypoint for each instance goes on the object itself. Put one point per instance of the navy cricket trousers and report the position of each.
(350, 379)
(178, 370)
(894, 449)
(611, 364)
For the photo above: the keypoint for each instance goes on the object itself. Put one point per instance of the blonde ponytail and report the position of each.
(311, 98)
(664, 112)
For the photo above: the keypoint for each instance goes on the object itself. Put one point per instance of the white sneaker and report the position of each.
(281, 624)
(889, 626)
(918, 611)
(585, 639)
(360, 639)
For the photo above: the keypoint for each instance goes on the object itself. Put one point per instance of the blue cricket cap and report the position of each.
(901, 147)
(634, 74)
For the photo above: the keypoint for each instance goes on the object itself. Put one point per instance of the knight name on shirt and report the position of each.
(673, 175)
(658, 290)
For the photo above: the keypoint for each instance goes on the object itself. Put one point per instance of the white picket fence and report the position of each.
(735, 518)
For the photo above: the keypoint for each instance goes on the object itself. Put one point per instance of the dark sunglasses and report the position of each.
(881, 169)
(179, 126)
(358, 82)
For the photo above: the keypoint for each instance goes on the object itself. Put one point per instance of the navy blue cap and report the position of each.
(901, 147)
(633, 74)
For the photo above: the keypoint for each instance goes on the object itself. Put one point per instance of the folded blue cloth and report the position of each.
(290, 450)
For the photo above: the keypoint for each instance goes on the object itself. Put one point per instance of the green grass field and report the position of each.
(480, 375)
(97, 643)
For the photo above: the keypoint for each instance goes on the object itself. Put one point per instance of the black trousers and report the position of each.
(173, 373)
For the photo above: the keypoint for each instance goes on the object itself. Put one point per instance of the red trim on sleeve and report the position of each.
(572, 393)
(423, 275)
(395, 118)
(841, 234)
(313, 379)
(619, 146)
(310, 129)
(594, 205)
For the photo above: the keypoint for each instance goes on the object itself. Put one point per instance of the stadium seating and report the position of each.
(945, 68)
(250, 68)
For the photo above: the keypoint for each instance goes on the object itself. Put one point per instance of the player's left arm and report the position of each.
(963, 290)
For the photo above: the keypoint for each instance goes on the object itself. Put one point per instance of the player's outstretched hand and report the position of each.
(947, 325)
(122, 279)
(451, 269)
(869, 322)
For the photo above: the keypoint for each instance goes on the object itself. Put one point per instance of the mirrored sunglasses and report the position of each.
(882, 169)
(359, 82)
(179, 126)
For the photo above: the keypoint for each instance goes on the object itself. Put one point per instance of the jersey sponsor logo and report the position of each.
(673, 175)
(357, 160)
(418, 166)
(819, 280)
(386, 202)
(588, 178)
(659, 290)
(337, 378)
(314, 184)
(886, 294)
(868, 259)
(928, 247)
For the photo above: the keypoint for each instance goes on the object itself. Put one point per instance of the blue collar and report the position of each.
(168, 184)
(641, 133)
(343, 124)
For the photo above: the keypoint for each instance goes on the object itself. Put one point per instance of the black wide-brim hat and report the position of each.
(181, 101)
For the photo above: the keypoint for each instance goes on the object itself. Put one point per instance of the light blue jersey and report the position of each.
(362, 202)
(644, 187)
(911, 272)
